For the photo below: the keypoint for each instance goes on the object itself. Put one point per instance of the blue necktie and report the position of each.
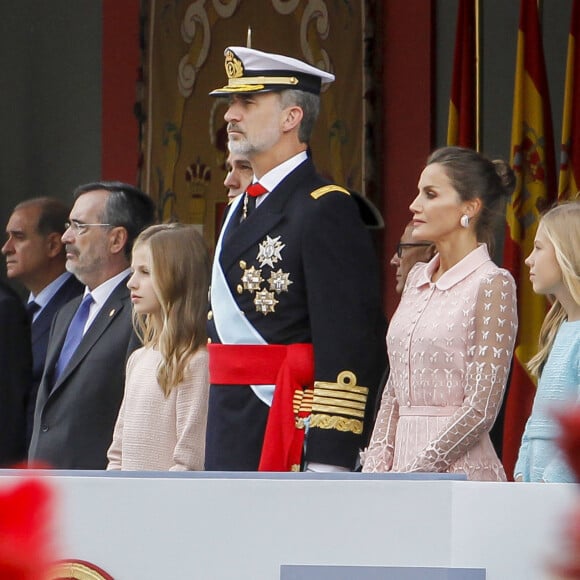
(73, 336)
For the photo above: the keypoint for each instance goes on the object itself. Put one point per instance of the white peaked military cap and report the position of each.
(254, 71)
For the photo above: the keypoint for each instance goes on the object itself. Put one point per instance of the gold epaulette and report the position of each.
(318, 193)
(339, 405)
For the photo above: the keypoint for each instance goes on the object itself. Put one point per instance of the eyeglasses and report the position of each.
(401, 246)
(81, 228)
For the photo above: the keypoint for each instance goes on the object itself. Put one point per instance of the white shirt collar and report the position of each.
(101, 294)
(47, 293)
(271, 179)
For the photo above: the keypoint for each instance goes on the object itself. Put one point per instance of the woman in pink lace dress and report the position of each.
(451, 340)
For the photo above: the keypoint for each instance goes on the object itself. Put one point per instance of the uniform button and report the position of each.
(44, 428)
(210, 315)
(240, 288)
(243, 264)
(209, 340)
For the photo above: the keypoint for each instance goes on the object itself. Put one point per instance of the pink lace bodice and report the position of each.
(450, 345)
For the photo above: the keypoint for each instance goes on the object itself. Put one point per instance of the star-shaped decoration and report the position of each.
(252, 278)
(270, 251)
(265, 302)
(279, 281)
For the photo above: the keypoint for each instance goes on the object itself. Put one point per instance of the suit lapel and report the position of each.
(69, 290)
(42, 324)
(110, 310)
(264, 219)
(247, 234)
(56, 341)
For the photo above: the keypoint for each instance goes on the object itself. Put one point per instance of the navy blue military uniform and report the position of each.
(302, 269)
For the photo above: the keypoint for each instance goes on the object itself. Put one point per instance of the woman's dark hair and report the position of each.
(475, 176)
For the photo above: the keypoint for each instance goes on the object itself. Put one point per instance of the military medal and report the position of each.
(245, 208)
(265, 302)
(269, 252)
(251, 279)
(279, 281)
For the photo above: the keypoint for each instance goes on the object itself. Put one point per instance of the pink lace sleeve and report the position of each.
(378, 457)
(490, 344)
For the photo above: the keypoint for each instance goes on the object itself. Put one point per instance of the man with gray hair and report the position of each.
(297, 331)
(82, 386)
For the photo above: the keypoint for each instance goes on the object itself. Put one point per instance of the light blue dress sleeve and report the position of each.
(539, 458)
(522, 467)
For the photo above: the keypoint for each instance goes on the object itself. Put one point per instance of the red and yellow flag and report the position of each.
(569, 182)
(461, 128)
(532, 158)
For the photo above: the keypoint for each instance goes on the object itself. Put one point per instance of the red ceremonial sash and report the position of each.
(290, 368)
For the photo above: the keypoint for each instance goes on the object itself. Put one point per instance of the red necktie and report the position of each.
(253, 191)
(256, 189)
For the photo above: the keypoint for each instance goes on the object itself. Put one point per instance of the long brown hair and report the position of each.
(180, 270)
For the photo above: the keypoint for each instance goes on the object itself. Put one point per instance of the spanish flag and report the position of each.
(569, 181)
(532, 158)
(461, 128)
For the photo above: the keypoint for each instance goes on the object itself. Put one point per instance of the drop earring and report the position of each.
(464, 221)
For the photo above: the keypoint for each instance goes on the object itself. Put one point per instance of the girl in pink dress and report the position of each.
(451, 340)
(163, 417)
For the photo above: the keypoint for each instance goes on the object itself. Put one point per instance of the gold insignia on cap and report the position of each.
(254, 82)
(234, 66)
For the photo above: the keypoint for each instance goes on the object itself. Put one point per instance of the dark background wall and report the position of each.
(69, 69)
(50, 95)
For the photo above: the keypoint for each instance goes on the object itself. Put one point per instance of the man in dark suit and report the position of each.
(35, 257)
(82, 385)
(15, 369)
(296, 324)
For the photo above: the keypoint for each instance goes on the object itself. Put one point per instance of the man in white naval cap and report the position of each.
(295, 322)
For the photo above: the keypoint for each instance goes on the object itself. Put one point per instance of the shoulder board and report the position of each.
(317, 193)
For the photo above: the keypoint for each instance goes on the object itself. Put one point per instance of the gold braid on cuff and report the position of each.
(339, 405)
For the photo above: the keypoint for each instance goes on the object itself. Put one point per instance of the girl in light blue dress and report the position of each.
(554, 271)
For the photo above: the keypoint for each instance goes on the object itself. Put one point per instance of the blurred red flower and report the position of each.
(569, 443)
(25, 546)
(569, 439)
